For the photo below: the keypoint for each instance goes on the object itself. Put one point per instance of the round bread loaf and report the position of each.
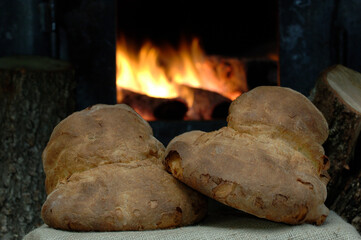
(122, 196)
(277, 112)
(281, 108)
(97, 135)
(268, 162)
(104, 173)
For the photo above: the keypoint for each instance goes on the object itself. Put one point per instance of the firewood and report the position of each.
(224, 75)
(338, 96)
(203, 104)
(240, 75)
(151, 108)
(230, 75)
(35, 94)
(347, 203)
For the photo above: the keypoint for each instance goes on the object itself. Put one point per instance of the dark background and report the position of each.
(309, 36)
(224, 28)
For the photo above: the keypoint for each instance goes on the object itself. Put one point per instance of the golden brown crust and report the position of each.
(104, 173)
(129, 196)
(282, 113)
(271, 168)
(279, 107)
(98, 135)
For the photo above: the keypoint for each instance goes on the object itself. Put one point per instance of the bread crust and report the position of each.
(104, 173)
(101, 134)
(264, 163)
(122, 196)
(279, 107)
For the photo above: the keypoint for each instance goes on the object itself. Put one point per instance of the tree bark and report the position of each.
(348, 202)
(338, 96)
(36, 93)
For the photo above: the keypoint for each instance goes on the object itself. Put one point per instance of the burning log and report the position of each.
(235, 76)
(230, 75)
(193, 103)
(205, 83)
(338, 96)
(240, 75)
(35, 94)
(203, 104)
(151, 108)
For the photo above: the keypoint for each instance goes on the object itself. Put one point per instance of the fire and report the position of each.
(169, 73)
(142, 74)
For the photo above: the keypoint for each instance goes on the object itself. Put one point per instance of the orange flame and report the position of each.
(142, 74)
(162, 73)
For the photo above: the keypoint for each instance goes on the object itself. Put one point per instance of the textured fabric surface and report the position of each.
(229, 225)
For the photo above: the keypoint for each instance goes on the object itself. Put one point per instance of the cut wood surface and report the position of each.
(338, 96)
(35, 94)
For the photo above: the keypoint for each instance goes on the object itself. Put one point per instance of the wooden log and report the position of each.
(203, 104)
(192, 104)
(224, 75)
(347, 203)
(338, 96)
(35, 94)
(151, 108)
(230, 75)
(235, 76)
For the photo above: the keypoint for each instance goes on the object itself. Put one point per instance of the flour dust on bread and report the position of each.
(268, 161)
(104, 173)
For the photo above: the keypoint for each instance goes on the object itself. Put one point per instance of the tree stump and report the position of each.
(338, 96)
(35, 94)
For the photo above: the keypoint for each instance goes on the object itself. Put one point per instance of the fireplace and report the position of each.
(290, 36)
(308, 36)
(294, 30)
(189, 62)
(305, 37)
(203, 59)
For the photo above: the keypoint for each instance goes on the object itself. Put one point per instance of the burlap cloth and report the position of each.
(226, 225)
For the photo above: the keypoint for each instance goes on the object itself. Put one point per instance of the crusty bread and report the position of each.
(276, 112)
(104, 173)
(268, 162)
(278, 107)
(122, 196)
(98, 135)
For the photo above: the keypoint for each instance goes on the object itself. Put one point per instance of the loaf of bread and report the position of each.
(104, 173)
(102, 134)
(268, 161)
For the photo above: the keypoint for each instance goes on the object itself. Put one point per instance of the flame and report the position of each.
(185, 70)
(142, 74)
(163, 73)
